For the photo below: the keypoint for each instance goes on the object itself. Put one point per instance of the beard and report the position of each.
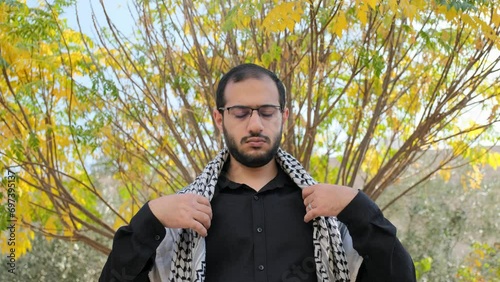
(252, 160)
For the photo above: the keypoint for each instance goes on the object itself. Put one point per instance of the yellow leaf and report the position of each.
(118, 223)
(372, 162)
(362, 13)
(66, 219)
(340, 25)
(419, 4)
(480, 253)
(393, 5)
(245, 19)
(371, 3)
(495, 19)
(463, 182)
(186, 28)
(284, 16)
(50, 225)
(125, 210)
(445, 174)
(451, 14)
(475, 177)
(23, 242)
(477, 263)
(494, 160)
(468, 20)
(68, 232)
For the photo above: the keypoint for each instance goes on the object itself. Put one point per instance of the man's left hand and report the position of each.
(326, 199)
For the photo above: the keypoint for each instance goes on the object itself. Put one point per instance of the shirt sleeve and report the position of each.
(374, 238)
(134, 248)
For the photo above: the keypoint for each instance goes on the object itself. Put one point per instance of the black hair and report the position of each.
(243, 72)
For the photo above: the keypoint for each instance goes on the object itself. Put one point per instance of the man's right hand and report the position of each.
(183, 211)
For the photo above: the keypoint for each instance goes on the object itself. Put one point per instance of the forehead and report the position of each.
(252, 92)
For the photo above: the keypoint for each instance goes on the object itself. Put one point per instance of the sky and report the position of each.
(117, 9)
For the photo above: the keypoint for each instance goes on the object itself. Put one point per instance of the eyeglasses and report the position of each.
(266, 112)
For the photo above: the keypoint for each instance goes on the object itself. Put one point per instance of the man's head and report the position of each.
(251, 112)
(243, 72)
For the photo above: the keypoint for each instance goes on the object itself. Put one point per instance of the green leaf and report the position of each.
(33, 141)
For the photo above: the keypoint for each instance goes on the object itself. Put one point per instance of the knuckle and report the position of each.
(186, 215)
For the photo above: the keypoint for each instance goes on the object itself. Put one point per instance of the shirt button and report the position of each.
(261, 267)
(157, 237)
(256, 197)
(259, 229)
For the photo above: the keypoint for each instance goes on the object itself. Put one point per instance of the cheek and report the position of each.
(276, 126)
(232, 131)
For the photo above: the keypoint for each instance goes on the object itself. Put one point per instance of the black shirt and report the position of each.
(374, 238)
(259, 236)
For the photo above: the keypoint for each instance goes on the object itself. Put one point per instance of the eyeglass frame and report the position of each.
(222, 109)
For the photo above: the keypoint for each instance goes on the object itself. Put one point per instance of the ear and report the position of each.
(218, 119)
(285, 116)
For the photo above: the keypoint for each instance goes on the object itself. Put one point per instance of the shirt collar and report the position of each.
(280, 180)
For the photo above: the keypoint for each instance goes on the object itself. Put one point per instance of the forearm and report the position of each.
(374, 238)
(134, 248)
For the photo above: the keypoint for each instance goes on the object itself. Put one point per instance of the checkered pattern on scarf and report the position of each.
(188, 260)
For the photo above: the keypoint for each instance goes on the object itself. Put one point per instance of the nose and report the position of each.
(255, 123)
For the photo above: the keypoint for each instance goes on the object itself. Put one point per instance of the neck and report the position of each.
(254, 177)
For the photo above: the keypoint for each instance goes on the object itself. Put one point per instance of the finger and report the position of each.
(310, 215)
(205, 209)
(202, 218)
(309, 206)
(202, 200)
(198, 228)
(307, 191)
(308, 200)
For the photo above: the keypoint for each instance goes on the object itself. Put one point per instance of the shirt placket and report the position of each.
(260, 254)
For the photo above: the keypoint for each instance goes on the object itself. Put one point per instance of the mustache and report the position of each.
(245, 139)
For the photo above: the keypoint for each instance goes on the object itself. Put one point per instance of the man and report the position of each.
(254, 214)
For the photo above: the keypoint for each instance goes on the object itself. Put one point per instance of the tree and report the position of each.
(450, 230)
(48, 131)
(482, 264)
(56, 260)
(372, 84)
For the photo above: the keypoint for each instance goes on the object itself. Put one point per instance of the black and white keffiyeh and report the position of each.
(181, 255)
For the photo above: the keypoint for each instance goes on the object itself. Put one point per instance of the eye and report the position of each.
(267, 111)
(240, 112)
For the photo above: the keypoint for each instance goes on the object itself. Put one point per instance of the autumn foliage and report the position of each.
(94, 126)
